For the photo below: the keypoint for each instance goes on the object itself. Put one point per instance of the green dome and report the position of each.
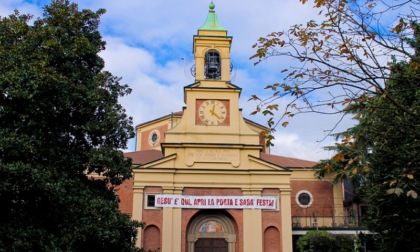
(212, 22)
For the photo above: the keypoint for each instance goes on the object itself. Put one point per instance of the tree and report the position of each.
(392, 183)
(61, 126)
(346, 56)
(339, 59)
(381, 155)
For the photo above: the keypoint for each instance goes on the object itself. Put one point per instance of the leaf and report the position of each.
(412, 194)
(292, 73)
(267, 112)
(400, 26)
(328, 167)
(410, 176)
(347, 100)
(286, 87)
(366, 168)
(370, 6)
(254, 98)
(339, 157)
(285, 124)
(345, 50)
(396, 191)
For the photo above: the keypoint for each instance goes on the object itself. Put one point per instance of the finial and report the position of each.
(211, 6)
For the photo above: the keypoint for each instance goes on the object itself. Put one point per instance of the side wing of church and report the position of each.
(203, 179)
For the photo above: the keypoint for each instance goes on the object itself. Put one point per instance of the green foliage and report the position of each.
(393, 181)
(323, 241)
(60, 122)
(386, 143)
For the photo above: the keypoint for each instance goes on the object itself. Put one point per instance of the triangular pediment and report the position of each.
(167, 161)
(260, 164)
(208, 158)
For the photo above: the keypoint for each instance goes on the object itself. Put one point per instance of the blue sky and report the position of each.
(149, 45)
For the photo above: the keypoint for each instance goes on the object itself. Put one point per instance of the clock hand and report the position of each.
(214, 113)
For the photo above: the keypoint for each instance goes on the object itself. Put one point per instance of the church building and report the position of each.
(203, 179)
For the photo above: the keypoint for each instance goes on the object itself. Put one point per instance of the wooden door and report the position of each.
(211, 245)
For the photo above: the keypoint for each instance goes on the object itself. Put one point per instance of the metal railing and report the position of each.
(326, 222)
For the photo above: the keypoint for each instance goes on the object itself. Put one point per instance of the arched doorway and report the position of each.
(211, 232)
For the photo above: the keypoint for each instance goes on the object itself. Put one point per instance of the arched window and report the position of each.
(212, 65)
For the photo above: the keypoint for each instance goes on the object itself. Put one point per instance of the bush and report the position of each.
(323, 241)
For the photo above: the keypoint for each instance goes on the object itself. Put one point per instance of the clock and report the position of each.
(212, 112)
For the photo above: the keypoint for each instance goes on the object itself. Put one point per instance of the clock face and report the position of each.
(212, 112)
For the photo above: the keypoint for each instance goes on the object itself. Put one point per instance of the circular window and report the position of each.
(153, 137)
(304, 198)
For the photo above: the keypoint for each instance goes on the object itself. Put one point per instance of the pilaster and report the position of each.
(286, 220)
(171, 225)
(138, 196)
(252, 221)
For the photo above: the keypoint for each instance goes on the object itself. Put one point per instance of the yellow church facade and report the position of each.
(203, 179)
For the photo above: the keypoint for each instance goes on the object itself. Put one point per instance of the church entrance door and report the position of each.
(211, 232)
(211, 245)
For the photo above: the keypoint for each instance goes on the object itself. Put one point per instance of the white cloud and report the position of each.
(293, 145)
(149, 45)
(150, 82)
(127, 61)
(8, 7)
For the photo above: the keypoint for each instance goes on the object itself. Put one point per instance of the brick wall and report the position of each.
(152, 218)
(145, 137)
(323, 198)
(271, 220)
(125, 194)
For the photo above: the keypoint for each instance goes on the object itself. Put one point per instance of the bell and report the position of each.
(213, 64)
(212, 68)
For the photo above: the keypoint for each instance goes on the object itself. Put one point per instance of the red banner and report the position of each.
(212, 202)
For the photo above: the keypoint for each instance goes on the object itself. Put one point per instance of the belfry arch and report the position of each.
(211, 226)
(212, 65)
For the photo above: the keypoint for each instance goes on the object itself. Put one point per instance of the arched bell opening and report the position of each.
(212, 65)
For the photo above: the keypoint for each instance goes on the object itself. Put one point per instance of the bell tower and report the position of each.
(212, 116)
(212, 50)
